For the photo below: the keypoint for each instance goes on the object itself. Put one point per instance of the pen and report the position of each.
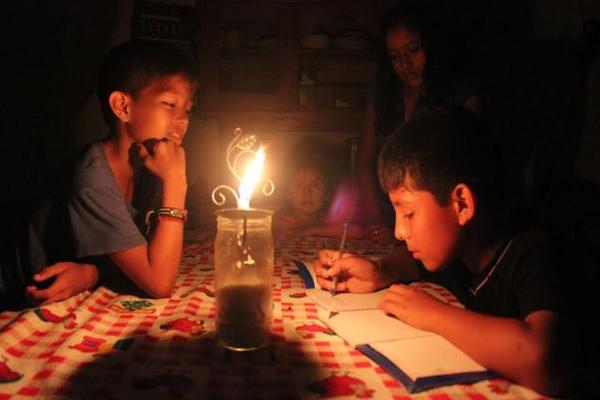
(342, 245)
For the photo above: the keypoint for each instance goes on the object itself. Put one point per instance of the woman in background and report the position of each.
(409, 78)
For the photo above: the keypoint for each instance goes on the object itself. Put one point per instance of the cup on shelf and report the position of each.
(315, 41)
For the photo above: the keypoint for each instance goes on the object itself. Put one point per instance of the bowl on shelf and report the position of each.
(351, 43)
(354, 32)
(267, 41)
(315, 41)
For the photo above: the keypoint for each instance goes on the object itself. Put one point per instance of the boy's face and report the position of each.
(430, 230)
(306, 192)
(161, 110)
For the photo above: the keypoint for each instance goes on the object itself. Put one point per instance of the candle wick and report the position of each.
(244, 233)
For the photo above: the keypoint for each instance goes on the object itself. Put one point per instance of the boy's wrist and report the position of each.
(92, 274)
(174, 194)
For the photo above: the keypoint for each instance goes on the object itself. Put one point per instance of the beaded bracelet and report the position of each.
(171, 212)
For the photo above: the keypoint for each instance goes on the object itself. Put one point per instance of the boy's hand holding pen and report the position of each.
(332, 290)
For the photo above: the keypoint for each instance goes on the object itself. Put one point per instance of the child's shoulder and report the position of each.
(91, 167)
(531, 253)
(530, 240)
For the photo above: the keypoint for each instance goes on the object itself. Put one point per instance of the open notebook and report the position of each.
(419, 359)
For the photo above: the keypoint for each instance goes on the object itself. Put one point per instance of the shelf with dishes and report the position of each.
(349, 40)
(331, 96)
(336, 53)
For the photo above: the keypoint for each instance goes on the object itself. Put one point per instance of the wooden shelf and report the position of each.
(236, 84)
(287, 119)
(245, 51)
(337, 53)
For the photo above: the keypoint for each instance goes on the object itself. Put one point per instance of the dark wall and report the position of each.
(51, 51)
(533, 88)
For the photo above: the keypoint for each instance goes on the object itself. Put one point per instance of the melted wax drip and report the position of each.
(246, 257)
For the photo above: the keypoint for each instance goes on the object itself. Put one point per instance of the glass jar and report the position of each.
(244, 278)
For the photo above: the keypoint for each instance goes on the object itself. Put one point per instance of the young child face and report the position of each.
(306, 192)
(161, 110)
(406, 53)
(430, 230)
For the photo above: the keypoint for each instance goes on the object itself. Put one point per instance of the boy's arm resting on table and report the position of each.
(154, 266)
(524, 351)
(70, 278)
(361, 275)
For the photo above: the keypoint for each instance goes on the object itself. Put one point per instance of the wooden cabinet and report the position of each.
(256, 74)
(168, 22)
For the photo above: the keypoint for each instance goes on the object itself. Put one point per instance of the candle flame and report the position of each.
(251, 178)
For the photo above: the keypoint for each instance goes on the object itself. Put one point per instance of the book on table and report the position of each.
(419, 359)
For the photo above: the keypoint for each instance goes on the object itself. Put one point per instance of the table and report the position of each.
(100, 344)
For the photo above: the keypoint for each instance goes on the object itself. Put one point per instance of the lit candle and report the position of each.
(243, 253)
(251, 178)
(241, 149)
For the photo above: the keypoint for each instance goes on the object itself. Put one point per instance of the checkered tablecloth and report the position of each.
(102, 345)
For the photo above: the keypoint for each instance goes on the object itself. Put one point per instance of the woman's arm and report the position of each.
(365, 168)
(473, 104)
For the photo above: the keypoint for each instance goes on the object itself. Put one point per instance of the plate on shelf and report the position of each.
(315, 41)
(267, 42)
(351, 43)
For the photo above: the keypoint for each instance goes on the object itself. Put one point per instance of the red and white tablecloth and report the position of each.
(102, 345)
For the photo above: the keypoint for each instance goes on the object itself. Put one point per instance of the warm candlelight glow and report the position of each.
(239, 151)
(251, 178)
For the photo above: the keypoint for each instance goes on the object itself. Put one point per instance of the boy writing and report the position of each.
(98, 221)
(440, 177)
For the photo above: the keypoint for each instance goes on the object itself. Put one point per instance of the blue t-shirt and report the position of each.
(88, 220)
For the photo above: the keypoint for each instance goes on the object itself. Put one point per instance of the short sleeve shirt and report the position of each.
(91, 219)
(523, 281)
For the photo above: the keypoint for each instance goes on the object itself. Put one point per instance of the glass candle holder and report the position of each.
(244, 278)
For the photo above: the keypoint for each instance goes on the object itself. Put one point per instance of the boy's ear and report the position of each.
(463, 203)
(119, 103)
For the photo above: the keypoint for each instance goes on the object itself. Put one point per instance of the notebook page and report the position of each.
(427, 356)
(370, 326)
(345, 301)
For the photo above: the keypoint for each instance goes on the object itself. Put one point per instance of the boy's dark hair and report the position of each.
(131, 66)
(438, 149)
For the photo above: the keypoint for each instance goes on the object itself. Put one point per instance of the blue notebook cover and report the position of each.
(305, 274)
(424, 383)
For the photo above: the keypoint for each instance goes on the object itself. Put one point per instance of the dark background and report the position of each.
(532, 60)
